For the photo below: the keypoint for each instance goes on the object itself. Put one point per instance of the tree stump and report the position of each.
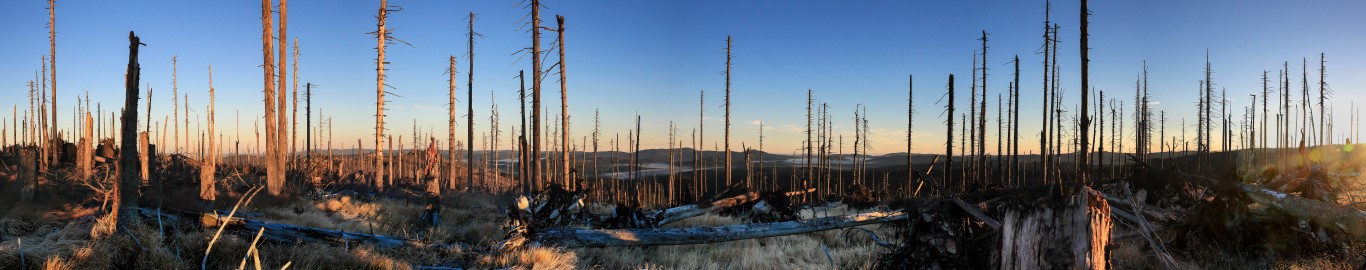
(28, 173)
(1070, 235)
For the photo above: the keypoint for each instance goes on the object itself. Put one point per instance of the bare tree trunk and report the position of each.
(806, 182)
(381, 37)
(727, 153)
(564, 113)
(948, 149)
(698, 177)
(1044, 144)
(450, 124)
(469, 88)
(294, 100)
(52, 62)
(126, 204)
(268, 50)
(1085, 98)
(282, 141)
(910, 115)
(206, 175)
(536, 92)
(525, 158)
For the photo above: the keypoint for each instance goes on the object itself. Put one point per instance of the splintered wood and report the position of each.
(1080, 227)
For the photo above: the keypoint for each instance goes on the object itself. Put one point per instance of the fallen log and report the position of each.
(569, 238)
(1345, 219)
(286, 233)
(675, 214)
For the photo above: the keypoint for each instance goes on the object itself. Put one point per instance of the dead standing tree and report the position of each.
(382, 38)
(727, 153)
(126, 203)
(450, 139)
(273, 186)
(206, 174)
(536, 93)
(52, 62)
(281, 137)
(1083, 156)
(564, 113)
(948, 149)
(469, 88)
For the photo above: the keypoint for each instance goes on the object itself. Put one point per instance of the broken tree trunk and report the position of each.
(564, 237)
(1079, 227)
(28, 173)
(676, 214)
(290, 233)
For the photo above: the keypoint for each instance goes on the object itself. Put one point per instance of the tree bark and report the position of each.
(127, 201)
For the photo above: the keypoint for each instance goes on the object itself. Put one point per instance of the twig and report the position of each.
(251, 250)
(877, 241)
(827, 256)
(203, 264)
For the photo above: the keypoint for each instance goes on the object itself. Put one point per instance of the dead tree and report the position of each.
(970, 153)
(308, 117)
(698, 177)
(948, 149)
(910, 114)
(1322, 94)
(807, 150)
(294, 99)
(523, 169)
(727, 153)
(175, 100)
(273, 186)
(469, 91)
(206, 175)
(1015, 126)
(282, 138)
(1085, 90)
(126, 203)
(536, 93)
(1047, 121)
(564, 113)
(982, 119)
(450, 124)
(52, 62)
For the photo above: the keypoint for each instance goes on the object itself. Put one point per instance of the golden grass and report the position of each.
(803, 251)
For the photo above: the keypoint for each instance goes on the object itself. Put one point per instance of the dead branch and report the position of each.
(564, 237)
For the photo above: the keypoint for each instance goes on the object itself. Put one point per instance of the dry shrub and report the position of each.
(532, 258)
(57, 263)
(104, 227)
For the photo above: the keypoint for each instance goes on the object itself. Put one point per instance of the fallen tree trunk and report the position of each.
(1345, 219)
(676, 214)
(569, 238)
(290, 233)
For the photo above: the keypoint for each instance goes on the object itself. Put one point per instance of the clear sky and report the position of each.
(653, 57)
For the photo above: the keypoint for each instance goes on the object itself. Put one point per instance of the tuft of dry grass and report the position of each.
(803, 251)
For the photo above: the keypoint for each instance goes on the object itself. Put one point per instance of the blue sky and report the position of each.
(653, 57)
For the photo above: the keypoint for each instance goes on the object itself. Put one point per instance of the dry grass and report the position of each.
(803, 251)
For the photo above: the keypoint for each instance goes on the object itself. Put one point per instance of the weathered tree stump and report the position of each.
(28, 173)
(1070, 235)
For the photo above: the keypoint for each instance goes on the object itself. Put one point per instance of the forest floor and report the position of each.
(65, 228)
